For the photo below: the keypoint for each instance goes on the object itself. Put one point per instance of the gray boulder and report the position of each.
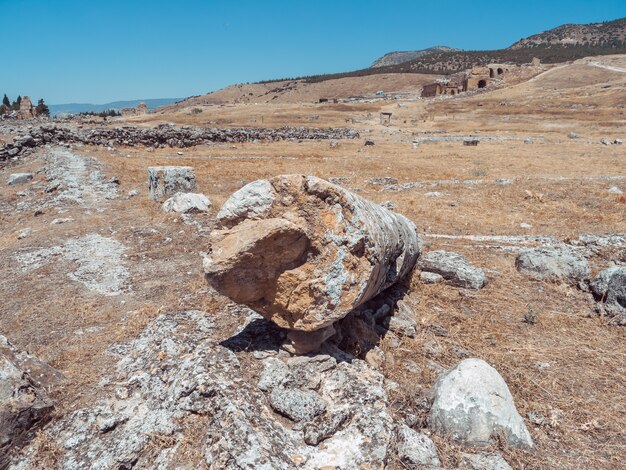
(19, 178)
(454, 268)
(296, 404)
(430, 278)
(187, 202)
(415, 449)
(609, 287)
(472, 404)
(164, 181)
(553, 264)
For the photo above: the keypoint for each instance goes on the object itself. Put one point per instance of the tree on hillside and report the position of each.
(5, 101)
(42, 108)
(15, 106)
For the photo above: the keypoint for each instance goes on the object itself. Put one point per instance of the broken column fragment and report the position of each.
(304, 252)
(165, 181)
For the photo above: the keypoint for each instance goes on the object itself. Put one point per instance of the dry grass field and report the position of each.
(566, 367)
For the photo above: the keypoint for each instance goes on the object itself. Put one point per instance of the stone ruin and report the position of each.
(27, 110)
(138, 110)
(304, 253)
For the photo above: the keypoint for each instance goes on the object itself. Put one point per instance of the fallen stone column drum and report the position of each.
(304, 252)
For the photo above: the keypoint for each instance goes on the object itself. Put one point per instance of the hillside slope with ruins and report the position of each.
(116, 353)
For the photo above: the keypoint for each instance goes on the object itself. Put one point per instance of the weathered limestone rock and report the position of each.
(473, 404)
(553, 264)
(19, 178)
(609, 287)
(483, 461)
(415, 449)
(165, 181)
(454, 268)
(24, 404)
(304, 252)
(187, 202)
(430, 278)
(297, 404)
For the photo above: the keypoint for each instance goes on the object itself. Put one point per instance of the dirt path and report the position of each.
(607, 67)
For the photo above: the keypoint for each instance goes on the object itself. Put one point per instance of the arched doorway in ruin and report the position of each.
(482, 83)
(500, 71)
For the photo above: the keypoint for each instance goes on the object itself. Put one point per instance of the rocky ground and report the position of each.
(504, 348)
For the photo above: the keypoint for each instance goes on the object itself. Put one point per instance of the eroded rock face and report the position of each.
(454, 268)
(553, 264)
(24, 404)
(304, 252)
(473, 404)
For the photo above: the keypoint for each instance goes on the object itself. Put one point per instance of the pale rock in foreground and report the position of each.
(553, 264)
(187, 202)
(484, 462)
(430, 278)
(19, 178)
(472, 404)
(415, 449)
(454, 268)
(304, 252)
(164, 181)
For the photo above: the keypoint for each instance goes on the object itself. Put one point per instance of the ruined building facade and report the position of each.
(478, 77)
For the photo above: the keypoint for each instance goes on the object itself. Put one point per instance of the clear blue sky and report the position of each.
(106, 50)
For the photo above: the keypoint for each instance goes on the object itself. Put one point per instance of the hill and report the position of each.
(75, 108)
(399, 57)
(608, 33)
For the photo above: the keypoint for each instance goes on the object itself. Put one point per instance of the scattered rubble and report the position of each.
(176, 370)
(76, 178)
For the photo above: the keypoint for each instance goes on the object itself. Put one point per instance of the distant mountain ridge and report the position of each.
(399, 57)
(607, 33)
(75, 108)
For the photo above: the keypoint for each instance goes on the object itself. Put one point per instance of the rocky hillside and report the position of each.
(608, 33)
(399, 57)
